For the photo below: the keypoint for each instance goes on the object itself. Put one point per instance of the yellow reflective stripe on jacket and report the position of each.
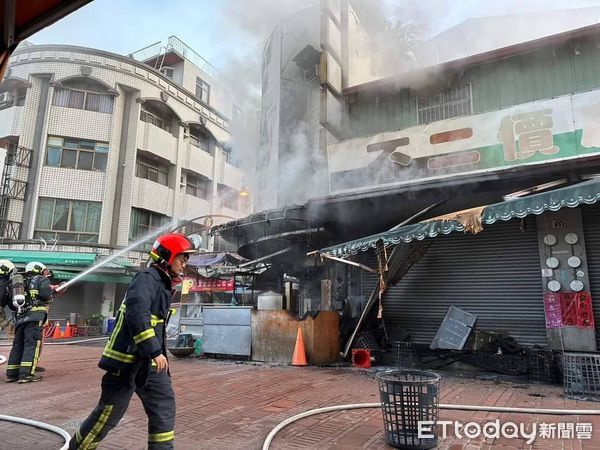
(144, 335)
(161, 437)
(123, 357)
(97, 428)
(117, 329)
(155, 320)
(38, 308)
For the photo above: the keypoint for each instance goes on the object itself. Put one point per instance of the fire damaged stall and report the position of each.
(293, 292)
(505, 287)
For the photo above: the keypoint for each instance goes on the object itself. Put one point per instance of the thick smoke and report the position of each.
(404, 36)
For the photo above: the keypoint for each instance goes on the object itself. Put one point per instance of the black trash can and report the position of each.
(407, 398)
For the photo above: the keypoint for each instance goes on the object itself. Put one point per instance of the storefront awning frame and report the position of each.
(22, 257)
(571, 197)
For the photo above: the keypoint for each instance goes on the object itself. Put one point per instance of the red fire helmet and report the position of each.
(168, 246)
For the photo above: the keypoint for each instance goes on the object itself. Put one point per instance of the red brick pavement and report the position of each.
(227, 405)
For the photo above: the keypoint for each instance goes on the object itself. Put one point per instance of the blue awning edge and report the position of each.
(571, 197)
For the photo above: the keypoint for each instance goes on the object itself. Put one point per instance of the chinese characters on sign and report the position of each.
(525, 134)
(522, 136)
(201, 284)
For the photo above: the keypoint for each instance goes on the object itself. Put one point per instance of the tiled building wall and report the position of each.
(72, 184)
(152, 196)
(157, 141)
(122, 77)
(11, 121)
(129, 171)
(197, 160)
(75, 123)
(112, 167)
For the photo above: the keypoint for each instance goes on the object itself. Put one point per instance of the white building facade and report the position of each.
(102, 148)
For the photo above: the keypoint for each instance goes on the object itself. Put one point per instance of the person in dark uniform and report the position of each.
(30, 315)
(7, 268)
(135, 356)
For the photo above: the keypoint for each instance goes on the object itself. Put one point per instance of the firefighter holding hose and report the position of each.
(31, 295)
(135, 357)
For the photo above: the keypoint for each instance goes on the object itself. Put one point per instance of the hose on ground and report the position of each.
(41, 425)
(81, 341)
(504, 409)
(2, 359)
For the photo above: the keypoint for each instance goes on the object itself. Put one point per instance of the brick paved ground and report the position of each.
(226, 405)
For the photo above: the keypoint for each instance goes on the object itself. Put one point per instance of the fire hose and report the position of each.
(41, 425)
(505, 409)
(80, 341)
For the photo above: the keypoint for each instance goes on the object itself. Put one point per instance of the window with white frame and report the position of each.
(152, 170)
(228, 197)
(160, 122)
(83, 94)
(76, 153)
(68, 220)
(144, 222)
(202, 90)
(444, 104)
(199, 139)
(196, 185)
(167, 72)
(228, 157)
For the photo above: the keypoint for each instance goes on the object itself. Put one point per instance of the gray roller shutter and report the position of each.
(591, 230)
(72, 301)
(494, 274)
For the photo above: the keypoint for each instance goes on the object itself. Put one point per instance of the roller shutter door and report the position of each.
(494, 274)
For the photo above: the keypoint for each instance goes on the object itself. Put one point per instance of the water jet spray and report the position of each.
(174, 225)
(115, 255)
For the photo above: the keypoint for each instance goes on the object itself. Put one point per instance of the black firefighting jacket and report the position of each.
(140, 329)
(5, 295)
(38, 295)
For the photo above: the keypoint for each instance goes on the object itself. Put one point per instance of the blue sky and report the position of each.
(222, 30)
(123, 26)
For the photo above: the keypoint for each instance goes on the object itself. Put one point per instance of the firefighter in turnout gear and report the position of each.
(7, 268)
(135, 356)
(30, 315)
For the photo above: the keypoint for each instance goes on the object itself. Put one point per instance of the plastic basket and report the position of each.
(581, 376)
(407, 398)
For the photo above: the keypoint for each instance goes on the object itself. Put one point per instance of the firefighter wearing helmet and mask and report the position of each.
(7, 269)
(30, 316)
(135, 357)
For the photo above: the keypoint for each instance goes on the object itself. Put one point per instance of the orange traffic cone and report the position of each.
(68, 331)
(299, 358)
(57, 334)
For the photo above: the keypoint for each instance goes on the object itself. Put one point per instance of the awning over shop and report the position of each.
(49, 258)
(472, 220)
(64, 275)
